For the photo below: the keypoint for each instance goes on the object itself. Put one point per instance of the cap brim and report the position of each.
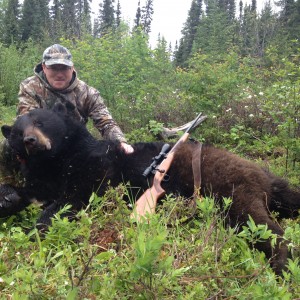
(65, 62)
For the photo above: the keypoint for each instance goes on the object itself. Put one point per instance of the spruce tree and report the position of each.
(69, 18)
(249, 32)
(291, 18)
(27, 22)
(240, 10)
(106, 18)
(268, 27)
(216, 31)
(180, 57)
(55, 11)
(37, 26)
(231, 9)
(96, 26)
(287, 8)
(83, 12)
(228, 6)
(3, 6)
(253, 6)
(138, 16)
(11, 32)
(189, 33)
(147, 13)
(118, 14)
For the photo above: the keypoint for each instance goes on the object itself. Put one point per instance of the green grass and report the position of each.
(7, 115)
(103, 255)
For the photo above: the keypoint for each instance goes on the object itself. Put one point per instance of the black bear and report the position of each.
(63, 164)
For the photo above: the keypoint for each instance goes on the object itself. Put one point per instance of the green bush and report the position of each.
(173, 256)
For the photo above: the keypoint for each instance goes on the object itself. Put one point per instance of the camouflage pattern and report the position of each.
(35, 92)
(57, 54)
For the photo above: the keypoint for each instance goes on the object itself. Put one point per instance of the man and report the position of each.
(55, 80)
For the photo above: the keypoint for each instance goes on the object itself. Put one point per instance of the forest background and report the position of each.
(238, 66)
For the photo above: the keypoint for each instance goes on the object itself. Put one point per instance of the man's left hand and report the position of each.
(127, 148)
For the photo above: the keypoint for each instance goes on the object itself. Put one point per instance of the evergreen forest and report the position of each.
(235, 62)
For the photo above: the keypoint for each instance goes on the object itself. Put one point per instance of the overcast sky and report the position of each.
(168, 18)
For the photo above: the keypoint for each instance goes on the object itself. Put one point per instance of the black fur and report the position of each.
(63, 164)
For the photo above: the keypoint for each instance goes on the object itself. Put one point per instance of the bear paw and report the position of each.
(9, 200)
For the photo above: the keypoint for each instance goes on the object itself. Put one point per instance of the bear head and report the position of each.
(40, 132)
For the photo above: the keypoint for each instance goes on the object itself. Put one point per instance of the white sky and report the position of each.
(168, 18)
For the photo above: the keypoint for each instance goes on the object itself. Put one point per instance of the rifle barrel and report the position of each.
(193, 123)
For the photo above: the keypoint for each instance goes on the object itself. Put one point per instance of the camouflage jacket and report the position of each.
(35, 92)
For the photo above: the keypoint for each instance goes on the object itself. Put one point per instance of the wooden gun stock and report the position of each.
(147, 202)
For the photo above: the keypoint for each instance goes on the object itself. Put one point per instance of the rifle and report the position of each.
(161, 164)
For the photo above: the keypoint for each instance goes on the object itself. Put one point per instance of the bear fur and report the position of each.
(63, 164)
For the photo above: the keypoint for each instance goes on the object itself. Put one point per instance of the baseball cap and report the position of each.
(57, 54)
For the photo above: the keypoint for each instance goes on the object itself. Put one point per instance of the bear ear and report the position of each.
(60, 108)
(6, 130)
(70, 106)
(63, 108)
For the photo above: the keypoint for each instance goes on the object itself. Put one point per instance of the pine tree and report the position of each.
(227, 6)
(180, 56)
(189, 33)
(83, 12)
(55, 11)
(34, 27)
(162, 54)
(147, 13)
(106, 18)
(240, 10)
(96, 26)
(231, 9)
(249, 32)
(253, 6)
(138, 16)
(216, 32)
(288, 7)
(27, 22)
(291, 18)
(118, 14)
(257, 30)
(268, 27)
(69, 18)
(3, 6)
(11, 22)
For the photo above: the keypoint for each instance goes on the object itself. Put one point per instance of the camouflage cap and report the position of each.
(57, 54)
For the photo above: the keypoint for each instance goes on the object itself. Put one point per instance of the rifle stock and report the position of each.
(147, 202)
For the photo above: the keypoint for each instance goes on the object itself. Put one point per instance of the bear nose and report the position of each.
(31, 139)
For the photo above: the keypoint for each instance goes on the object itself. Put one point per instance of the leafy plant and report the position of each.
(257, 233)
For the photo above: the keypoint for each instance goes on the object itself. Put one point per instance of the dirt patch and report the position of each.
(105, 238)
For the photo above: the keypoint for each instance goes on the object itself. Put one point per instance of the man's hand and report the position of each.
(126, 148)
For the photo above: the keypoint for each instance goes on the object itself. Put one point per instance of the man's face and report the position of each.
(58, 76)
